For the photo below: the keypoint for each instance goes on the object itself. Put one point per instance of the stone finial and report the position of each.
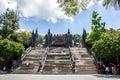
(33, 32)
(68, 31)
(49, 31)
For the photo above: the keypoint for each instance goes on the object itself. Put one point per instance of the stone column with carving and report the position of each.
(48, 41)
(83, 41)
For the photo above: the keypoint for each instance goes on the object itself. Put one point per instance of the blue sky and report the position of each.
(81, 20)
(44, 15)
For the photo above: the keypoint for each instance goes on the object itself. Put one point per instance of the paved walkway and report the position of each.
(57, 77)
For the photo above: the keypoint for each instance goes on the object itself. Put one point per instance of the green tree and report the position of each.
(8, 23)
(41, 39)
(0, 37)
(10, 50)
(114, 3)
(77, 38)
(72, 7)
(107, 47)
(97, 27)
(22, 37)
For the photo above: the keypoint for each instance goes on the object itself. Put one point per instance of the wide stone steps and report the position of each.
(58, 62)
(49, 54)
(58, 72)
(84, 67)
(31, 62)
(84, 62)
(87, 72)
(58, 56)
(57, 69)
(32, 58)
(56, 66)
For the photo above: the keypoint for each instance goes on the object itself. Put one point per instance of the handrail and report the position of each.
(21, 58)
(72, 61)
(42, 63)
(26, 52)
(95, 60)
(91, 54)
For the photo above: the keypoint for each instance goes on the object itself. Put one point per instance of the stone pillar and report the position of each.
(32, 41)
(73, 67)
(83, 41)
(36, 38)
(46, 40)
(48, 37)
(69, 39)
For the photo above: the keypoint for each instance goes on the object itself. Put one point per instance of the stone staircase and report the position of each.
(31, 62)
(58, 62)
(83, 61)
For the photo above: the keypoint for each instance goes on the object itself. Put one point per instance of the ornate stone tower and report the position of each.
(69, 39)
(34, 38)
(83, 41)
(48, 37)
(32, 41)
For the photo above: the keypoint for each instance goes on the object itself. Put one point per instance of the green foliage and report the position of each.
(114, 3)
(97, 28)
(72, 7)
(77, 38)
(108, 46)
(105, 43)
(40, 39)
(39, 45)
(8, 23)
(0, 37)
(10, 50)
(22, 37)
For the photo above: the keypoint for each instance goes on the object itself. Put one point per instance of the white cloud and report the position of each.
(41, 9)
(93, 2)
(52, 20)
(100, 2)
(90, 4)
(3, 4)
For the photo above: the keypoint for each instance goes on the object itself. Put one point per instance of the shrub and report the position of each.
(10, 50)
